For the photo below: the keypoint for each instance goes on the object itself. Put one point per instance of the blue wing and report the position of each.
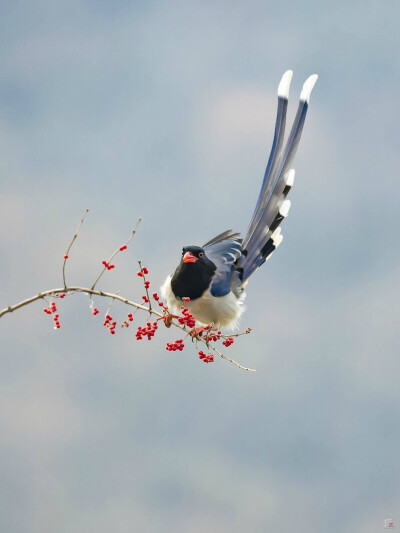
(224, 250)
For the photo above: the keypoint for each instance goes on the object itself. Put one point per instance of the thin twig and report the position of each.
(110, 304)
(116, 251)
(246, 332)
(70, 246)
(230, 360)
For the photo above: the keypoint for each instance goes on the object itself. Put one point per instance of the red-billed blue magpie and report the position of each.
(214, 276)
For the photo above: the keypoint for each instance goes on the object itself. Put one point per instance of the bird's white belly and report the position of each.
(223, 311)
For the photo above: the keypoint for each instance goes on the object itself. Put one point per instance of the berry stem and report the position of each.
(66, 255)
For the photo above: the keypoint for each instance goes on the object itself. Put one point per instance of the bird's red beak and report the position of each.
(189, 258)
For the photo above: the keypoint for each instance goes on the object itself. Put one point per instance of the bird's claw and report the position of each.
(197, 333)
(167, 319)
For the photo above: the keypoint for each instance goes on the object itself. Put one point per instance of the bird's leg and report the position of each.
(210, 328)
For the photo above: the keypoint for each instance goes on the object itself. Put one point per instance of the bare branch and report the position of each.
(71, 290)
(185, 323)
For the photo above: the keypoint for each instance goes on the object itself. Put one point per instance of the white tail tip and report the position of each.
(284, 86)
(308, 87)
(277, 237)
(284, 208)
(289, 178)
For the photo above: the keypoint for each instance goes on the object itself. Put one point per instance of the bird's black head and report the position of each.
(194, 273)
(192, 254)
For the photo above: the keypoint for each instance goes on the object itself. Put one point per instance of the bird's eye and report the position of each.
(201, 254)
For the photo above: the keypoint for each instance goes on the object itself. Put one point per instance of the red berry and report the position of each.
(140, 274)
(66, 256)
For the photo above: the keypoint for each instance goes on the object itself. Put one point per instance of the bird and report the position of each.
(210, 279)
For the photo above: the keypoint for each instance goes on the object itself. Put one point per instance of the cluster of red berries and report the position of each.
(148, 331)
(95, 311)
(157, 298)
(187, 318)
(125, 322)
(228, 342)
(122, 248)
(145, 299)
(174, 346)
(206, 358)
(62, 295)
(110, 324)
(107, 265)
(146, 284)
(51, 310)
(142, 272)
(56, 321)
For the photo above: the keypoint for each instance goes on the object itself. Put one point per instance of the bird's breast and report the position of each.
(222, 311)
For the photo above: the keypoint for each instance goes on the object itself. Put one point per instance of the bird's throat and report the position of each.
(191, 280)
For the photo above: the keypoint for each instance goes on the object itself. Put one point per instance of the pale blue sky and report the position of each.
(166, 110)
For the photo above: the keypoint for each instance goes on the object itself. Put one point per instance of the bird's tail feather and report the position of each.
(272, 207)
(274, 156)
